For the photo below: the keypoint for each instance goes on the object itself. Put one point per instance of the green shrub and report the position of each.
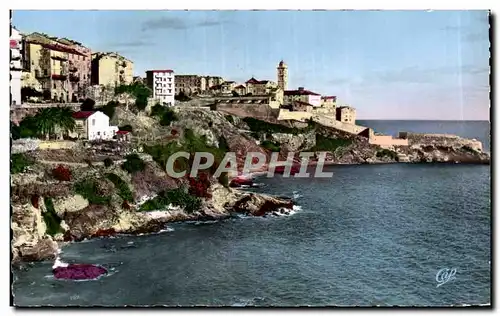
(269, 145)
(108, 162)
(109, 108)
(133, 164)
(51, 219)
(224, 179)
(19, 162)
(182, 97)
(122, 187)
(329, 144)
(127, 128)
(164, 114)
(176, 197)
(229, 118)
(139, 91)
(387, 153)
(89, 189)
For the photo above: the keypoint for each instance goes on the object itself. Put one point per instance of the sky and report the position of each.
(387, 64)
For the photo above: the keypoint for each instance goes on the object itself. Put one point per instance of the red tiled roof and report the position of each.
(122, 132)
(164, 70)
(329, 97)
(253, 81)
(83, 114)
(59, 48)
(300, 92)
(240, 86)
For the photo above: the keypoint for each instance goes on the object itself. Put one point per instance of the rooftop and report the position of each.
(164, 70)
(300, 91)
(83, 114)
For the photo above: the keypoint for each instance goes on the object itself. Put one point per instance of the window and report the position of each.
(55, 87)
(93, 122)
(98, 133)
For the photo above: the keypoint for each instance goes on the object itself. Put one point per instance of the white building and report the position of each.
(162, 83)
(15, 66)
(314, 99)
(93, 125)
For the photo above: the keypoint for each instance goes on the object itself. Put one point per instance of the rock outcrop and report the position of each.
(29, 241)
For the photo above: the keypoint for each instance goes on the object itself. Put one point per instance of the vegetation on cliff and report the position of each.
(164, 114)
(260, 126)
(51, 219)
(140, 91)
(387, 153)
(92, 191)
(122, 187)
(176, 197)
(329, 144)
(19, 163)
(272, 146)
(133, 163)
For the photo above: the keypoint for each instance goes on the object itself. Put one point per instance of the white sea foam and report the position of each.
(296, 195)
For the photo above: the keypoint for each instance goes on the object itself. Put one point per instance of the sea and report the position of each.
(370, 235)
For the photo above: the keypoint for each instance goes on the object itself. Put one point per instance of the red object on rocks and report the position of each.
(281, 169)
(62, 173)
(79, 272)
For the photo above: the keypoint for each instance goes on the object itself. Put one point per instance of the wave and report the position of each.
(296, 195)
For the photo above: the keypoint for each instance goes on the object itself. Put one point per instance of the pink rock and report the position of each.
(79, 272)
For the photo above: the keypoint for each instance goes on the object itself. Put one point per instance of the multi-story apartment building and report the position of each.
(59, 67)
(346, 114)
(260, 87)
(111, 69)
(162, 83)
(193, 84)
(15, 66)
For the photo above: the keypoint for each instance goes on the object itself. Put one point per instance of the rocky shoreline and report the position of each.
(49, 212)
(31, 243)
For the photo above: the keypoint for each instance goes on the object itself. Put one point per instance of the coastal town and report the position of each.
(91, 143)
(50, 71)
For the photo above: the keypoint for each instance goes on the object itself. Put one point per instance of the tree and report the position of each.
(64, 120)
(87, 105)
(46, 122)
(133, 164)
(235, 94)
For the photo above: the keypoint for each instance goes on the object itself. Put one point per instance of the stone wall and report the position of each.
(29, 144)
(302, 116)
(445, 140)
(259, 111)
(387, 141)
(330, 121)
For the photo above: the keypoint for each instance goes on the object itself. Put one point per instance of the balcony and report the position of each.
(15, 55)
(74, 78)
(15, 65)
(59, 77)
(72, 68)
(59, 57)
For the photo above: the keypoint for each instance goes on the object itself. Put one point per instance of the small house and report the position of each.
(123, 135)
(93, 125)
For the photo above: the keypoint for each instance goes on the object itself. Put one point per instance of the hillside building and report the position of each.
(162, 83)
